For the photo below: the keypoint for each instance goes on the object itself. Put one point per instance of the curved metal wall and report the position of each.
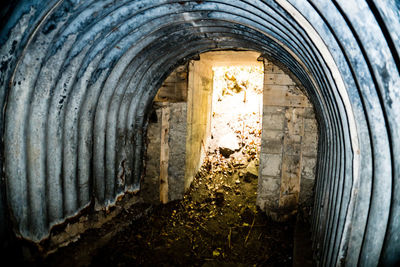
(78, 77)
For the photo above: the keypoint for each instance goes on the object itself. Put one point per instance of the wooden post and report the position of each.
(164, 153)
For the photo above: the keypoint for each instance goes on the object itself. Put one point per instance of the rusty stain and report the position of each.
(120, 197)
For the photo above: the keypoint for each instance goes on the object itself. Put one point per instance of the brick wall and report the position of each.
(288, 147)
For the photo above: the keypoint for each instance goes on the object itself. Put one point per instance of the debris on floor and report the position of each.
(216, 223)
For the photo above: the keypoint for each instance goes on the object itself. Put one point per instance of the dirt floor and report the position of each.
(216, 224)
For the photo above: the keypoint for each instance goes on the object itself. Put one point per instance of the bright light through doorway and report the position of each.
(237, 110)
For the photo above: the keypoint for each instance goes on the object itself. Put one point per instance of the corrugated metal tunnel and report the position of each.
(78, 79)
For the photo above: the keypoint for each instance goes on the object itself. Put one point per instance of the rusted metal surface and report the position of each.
(78, 77)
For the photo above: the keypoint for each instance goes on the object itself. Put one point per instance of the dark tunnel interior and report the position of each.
(78, 79)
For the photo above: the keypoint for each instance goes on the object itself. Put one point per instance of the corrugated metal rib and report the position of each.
(78, 78)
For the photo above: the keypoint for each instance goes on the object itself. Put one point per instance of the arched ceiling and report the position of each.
(78, 77)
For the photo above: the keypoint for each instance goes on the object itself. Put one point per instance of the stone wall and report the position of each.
(166, 137)
(178, 131)
(288, 148)
(180, 125)
(151, 182)
(174, 88)
(177, 150)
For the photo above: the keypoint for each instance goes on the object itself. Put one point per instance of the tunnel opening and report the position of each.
(215, 220)
(236, 114)
(230, 153)
(209, 183)
(187, 121)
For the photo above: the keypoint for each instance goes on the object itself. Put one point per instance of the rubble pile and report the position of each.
(217, 223)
